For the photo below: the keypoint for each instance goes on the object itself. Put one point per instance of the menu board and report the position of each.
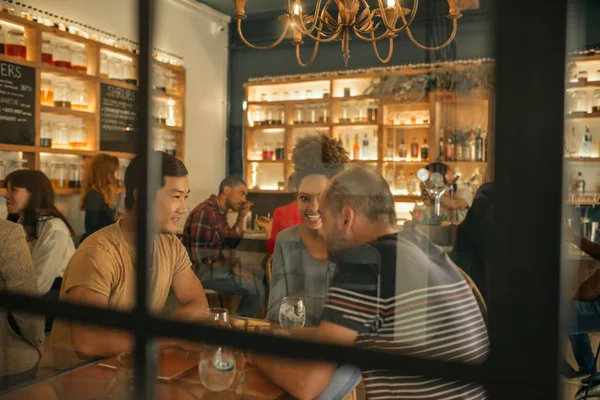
(118, 118)
(17, 104)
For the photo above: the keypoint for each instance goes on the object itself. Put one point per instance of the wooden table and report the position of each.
(96, 382)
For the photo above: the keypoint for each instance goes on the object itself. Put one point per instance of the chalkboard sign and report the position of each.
(118, 118)
(17, 102)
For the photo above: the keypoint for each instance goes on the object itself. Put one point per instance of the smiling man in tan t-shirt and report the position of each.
(102, 271)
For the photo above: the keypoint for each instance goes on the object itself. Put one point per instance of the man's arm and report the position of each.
(190, 294)
(305, 379)
(201, 235)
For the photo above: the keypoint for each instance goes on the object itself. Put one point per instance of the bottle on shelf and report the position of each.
(586, 144)
(47, 52)
(471, 150)
(579, 185)
(79, 60)
(46, 134)
(279, 151)
(479, 155)
(414, 150)
(402, 151)
(389, 151)
(365, 154)
(356, 149)
(441, 147)
(16, 44)
(46, 93)
(62, 56)
(449, 151)
(2, 39)
(374, 146)
(372, 111)
(425, 151)
(345, 114)
(389, 177)
(413, 185)
(401, 183)
(458, 149)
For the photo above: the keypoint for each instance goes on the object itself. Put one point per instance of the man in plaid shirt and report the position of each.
(206, 234)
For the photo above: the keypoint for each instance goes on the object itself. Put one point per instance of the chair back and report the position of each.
(268, 269)
(476, 293)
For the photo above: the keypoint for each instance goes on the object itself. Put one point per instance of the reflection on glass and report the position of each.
(292, 313)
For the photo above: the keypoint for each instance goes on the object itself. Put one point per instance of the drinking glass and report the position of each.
(217, 364)
(125, 377)
(218, 317)
(292, 313)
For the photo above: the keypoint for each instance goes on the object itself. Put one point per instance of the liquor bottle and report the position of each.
(425, 151)
(449, 152)
(389, 151)
(374, 146)
(587, 145)
(414, 150)
(441, 147)
(365, 148)
(401, 184)
(402, 151)
(472, 156)
(413, 186)
(579, 184)
(389, 177)
(479, 145)
(356, 149)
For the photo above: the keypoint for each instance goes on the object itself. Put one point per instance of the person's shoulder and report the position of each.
(106, 239)
(206, 205)
(289, 234)
(51, 224)
(8, 228)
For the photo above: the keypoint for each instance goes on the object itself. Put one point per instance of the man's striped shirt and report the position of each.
(403, 295)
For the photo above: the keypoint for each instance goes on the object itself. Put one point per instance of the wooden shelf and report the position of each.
(170, 67)
(67, 192)
(82, 153)
(593, 57)
(47, 30)
(583, 159)
(351, 124)
(67, 73)
(582, 203)
(116, 50)
(284, 102)
(127, 156)
(17, 60)
(354, 98)
(264, 127)
(583, 85)
(166, 96)
(17, 147)
(165, 127)
(583, 116)
(266, 161)
(67, 112)
(118, 83)
(412, 126)
(318, 125)
(407, 198)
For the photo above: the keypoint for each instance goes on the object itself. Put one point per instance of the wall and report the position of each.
(185, 28)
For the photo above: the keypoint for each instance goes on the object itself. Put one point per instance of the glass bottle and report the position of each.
(389, 151)
(79, 60)
(402, 150)
(324, 114)
(363, 113)
(586, 144)
(279, 151)
(46, 134)
(326, 93)
(129, 73)
(59, 176)
(479, 155)
(356, 149)
(449, 152)
(312, 114)
(579, 184)
(298, 115)
(413, 185)
(46, 93)
(414, 149)
(441, 147)
(171, 113)
(401, 183)
(79, 97)
(62, 55)
(47, 52)
(16, 45)
(104, 66)
(345, 115)
(596, 105)
(425, 151)
(62, 94)
(160, 81)
(579, 102)
(60, 140)
(74, 176)
(458, 150)
(115, 69)
(78, 136)
(365, 148)
(372, 112)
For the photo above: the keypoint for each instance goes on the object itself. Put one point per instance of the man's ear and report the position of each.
(348, 217)
(227, 190)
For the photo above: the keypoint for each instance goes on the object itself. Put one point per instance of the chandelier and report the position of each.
(354, 17)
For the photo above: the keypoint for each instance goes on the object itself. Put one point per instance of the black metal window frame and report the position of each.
(524, 323)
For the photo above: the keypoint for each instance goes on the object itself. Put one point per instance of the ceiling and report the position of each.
(252, 7)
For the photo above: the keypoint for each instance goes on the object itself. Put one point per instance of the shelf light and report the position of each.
(12, 26)
(116, 55)
(268, 187)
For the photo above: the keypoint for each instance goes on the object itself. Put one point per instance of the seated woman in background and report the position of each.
(98, 196)
(30, 202)
(300, 262)
(19, 353)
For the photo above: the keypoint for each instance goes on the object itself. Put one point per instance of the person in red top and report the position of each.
(283, 217)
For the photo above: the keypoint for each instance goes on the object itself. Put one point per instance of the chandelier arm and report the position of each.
(317, 38)
(446, 43)
(392, 28)
(302, 27)
(268, 47)
(312, 57)
(391, 51)
(372, 38)
(299, 22)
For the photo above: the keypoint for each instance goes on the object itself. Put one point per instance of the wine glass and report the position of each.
(292, 313)
(218, 317)
(217, 364)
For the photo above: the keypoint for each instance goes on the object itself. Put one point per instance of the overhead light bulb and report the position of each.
(391, 3)
(298, 8)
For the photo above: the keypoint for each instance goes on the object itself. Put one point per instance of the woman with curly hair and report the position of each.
(98, 193)
(300, 261)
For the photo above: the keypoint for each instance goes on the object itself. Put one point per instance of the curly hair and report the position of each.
(100, 176)
(320, 155)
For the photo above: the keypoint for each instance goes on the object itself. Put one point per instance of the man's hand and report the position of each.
(245, 209)
(266, 224)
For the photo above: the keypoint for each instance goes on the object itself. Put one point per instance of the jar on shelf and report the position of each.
(269, 116)
(279, 116)
(78, 136)
(275, 97)
(46, 133)
(170, 145)
(46, 170)
(308, 94)
(115, 69)
(59, 176)
(362, 112)
(16, 44)
(60, 140)
(62, 94)
(62, 55)
(104, 67)
(596, 104)
(579, 102)
(2, 173)
(326, 93)
(75, 178)
(47, 52)
(345, 113)
(299, 115)
(129, 72)
(582, 76)
(16, 165)
(46, 93)
(79, 60)
(172, 83)
(323, 114)
(312, 114)
(79, 99)
(172, 113)
(279, 151)
(372, 111)
(347, 92)
(159, 79)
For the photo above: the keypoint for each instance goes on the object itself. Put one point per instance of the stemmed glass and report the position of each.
(292, 313)
(217, 364)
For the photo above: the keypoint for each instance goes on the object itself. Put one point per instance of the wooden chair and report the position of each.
(476, 293)
(268, 265)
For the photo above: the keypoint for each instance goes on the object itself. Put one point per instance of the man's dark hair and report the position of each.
(170, 166)
(366, 192)
(231, 182)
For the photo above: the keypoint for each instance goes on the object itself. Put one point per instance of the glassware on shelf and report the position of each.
(79, 97)
(402, 150)
(16, 44)
(104, 67)
(161, 112)
(129, 72)
(79, 60)
(75, 176)
(279, 151)
(172, 83)
(263, 97)
(347, 92)
(345, 114)
(312, 114)
(326, 93)
(46, 93)
(59, 176)
(46, 133)
(159, 79)
(2, 39)
(579, 102)
(413, 185)
(46, 170)
(286, 96)
(170, 145)
(582, 76)
(172, 119)
(275, 96)
(115, 69)
(47, 52)
(60, 139)
(16, 165)
(372, 111)
(279, 116)
(308, 94)
(62, 94)
(78, 136)
(299, 117)
(323, 114)
(268, 153)
(62, 56)
(362, 112)
(596, 105)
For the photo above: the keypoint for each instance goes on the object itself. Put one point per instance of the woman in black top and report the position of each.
(98, 194)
